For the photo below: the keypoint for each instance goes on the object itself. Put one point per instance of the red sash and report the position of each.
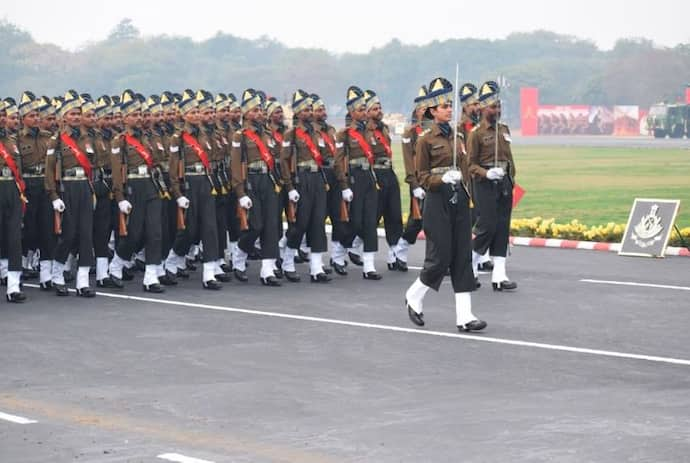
(468, 126)
(418, 129)
(9, 160)
(265, 154)
(139, 148)
(278, 136)
(304, 136)
(366, 149)
(201, 154)
(79, 155)
(381, 139)
(328, 142)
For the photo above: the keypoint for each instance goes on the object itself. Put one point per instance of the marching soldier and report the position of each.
(190, 172)
(326, 146)
(70, 159)
(12, 201)
(234, 123)
(493, 172)
(417, 193)
(216, 150)
(32, 143)
(354, 167)
(442, 169)
(305, 181)
(276, 130)
(137, 194)
(169, 205)
(389, 207)
(256, 186)
(471, 115)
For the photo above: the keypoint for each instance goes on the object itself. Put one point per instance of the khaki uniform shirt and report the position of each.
(240, 142)
(481, 147)
(434, 150)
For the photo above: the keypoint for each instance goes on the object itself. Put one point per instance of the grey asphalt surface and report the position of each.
(113, 380)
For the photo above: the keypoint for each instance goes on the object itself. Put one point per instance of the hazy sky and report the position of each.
(353, 25)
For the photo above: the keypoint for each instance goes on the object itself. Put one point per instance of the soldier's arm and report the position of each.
(173, 166)
(426, 179)
(236, 163)
(116, 167)
(286, 159)
(49, 179)
(473, 151)
(408, 158)
(341, 160)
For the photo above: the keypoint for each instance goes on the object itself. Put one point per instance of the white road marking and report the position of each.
(176, 457)
(16, 419)
(398, 329)
(632, 283)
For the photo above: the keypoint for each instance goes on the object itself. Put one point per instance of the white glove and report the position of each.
(419, 193)
(245, 202)
(58, 205)
(125, 206)
(452, 176)
(293, 195)
(495, 173)
(183, 202)
(348, 195)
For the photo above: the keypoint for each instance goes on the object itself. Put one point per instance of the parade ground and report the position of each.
(588, 361)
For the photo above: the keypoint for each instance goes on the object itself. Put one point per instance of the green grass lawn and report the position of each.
(593, 185)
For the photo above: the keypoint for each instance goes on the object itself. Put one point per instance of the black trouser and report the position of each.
(448, 231)
(200, 220)
(102, 218)
(363, 209)
(168, 221)
(333, 200)
(263, 217)
(495, 201)
(389, 205)
(77, 223)
(311, 213)
(144, 227)
(233, 221)
(10, 225)
(413, 226)
(282, 209)
(38, 220)
(221, 222)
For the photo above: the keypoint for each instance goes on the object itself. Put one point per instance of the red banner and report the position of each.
(687, 95)
(529, 103)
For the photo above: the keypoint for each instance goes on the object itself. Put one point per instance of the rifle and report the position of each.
(344, 206)
(122, 217)
(416, 212)
(242, 212)
(57, 217)
(183, 187)
(456, 113)
(291, 206)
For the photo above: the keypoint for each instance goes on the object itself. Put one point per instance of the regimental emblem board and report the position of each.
(649, 227)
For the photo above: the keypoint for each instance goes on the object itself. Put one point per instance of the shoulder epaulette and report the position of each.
(425, 131)
(474, 128)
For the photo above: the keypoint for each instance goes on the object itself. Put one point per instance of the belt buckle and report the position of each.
(142, 170)
(6, 172)
(198, 167)
(79, 172)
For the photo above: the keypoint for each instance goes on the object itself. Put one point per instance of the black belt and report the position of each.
(257, 170)
(34, 170)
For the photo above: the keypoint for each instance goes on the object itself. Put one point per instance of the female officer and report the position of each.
(446, 216)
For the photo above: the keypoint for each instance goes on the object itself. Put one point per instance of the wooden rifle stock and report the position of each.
(291, 212)
(344, 212)
(180, 219)
(57, 223)
(122, 224)
(416, 212)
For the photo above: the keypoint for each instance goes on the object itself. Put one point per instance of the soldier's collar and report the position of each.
(3, 132)
(360, 126)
